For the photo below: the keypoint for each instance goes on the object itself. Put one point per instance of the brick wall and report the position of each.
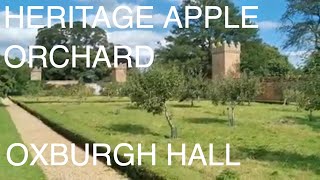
(271, 90)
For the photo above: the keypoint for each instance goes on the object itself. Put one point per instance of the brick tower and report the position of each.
(119, 74)
(226, 60)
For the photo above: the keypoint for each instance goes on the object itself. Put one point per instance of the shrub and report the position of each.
(33, 88)
(228, 174)
(113, 89)
(79, 90)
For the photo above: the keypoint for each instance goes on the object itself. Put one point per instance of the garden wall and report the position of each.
(271, 91)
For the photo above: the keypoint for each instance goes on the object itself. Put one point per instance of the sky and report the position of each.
(269, 14)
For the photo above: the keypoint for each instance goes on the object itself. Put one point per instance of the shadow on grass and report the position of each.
(131, 107)
(314, 124)
(286, 159)
(129, 128)
(284, 109)
(184, 106)
(74, 101)
(206, 120)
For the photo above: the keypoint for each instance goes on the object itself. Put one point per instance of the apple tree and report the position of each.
(309, 88)
(152, 89)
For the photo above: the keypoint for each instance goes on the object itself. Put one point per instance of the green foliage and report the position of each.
(113, 89)
(79, 37)
(228, 91)
(13, 81)
(33, 88)
(6, 82)
(290, 89)
(150, 90)
(261, 59)
(312, 64)
(250, 88)
(290, 95)
(233, 91)
(79, 90)
(228, 174)
(192, 86)
(214, 91)
(76, 36)
(309, 87)
(302, 101)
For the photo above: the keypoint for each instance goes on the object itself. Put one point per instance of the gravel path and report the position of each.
(32, 130)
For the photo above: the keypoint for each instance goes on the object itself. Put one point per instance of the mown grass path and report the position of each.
(32, 130)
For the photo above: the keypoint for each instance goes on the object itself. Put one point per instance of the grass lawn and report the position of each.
(270, 141)
(9, 135)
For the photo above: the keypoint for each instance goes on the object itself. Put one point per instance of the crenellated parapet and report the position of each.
(224, 46)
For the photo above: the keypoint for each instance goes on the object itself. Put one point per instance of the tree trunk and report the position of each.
(231, 114)
(285, 102)
(310, 115)
(174, 131)
(192, 103)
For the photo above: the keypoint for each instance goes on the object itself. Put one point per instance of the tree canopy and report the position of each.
(79, 37)
(152, 89)
(13, 81)
(264, 60)
(301, 23)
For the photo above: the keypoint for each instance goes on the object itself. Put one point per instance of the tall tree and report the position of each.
(196, 41)
(76, 36)
(68, 37)
(301, 23)
(264, 60)
(13, 81)
(6, 82)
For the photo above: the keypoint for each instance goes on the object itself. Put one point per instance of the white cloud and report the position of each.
(268, 25)
(133, 38)
(15, 36)
(297, 57)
